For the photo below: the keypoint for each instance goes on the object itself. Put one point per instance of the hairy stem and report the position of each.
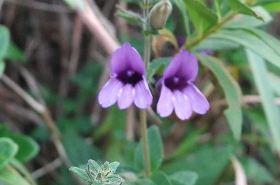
(143, 113)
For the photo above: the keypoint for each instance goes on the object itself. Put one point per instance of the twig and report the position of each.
(40, 6)
(45, 114)
(46, 169)
(90, 18)
(245, 100)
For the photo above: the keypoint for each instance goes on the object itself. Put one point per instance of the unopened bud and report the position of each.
(159, 14)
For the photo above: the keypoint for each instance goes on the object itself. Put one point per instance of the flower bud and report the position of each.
(159, 14)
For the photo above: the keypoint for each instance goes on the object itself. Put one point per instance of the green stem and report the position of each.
(212, 30)
(143, 113)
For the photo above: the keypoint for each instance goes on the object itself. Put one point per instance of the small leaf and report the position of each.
(184, 178)
(202, 17)
(242, 8)
(4, 40)
(161, 178)
(232, 92)
(250, 21)
(130, 17)
(27, 147)
(8, 151)
(94, 166)
(81, 173)
(156, 150)
(114, 166)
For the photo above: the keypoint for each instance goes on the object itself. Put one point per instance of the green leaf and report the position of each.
(77, 148)
(161, 178)
(272, 113)
(232, 93)
(2, 67)
(27, 147)
(130, 17)
(4, 40)
(242, 8)
(250, 41)
(81, 173)
(15, 54)
(11, 177)
(155, 66)
(184, 178)
(156, 150)
(8, 151)
(250, 21)
(257, 174)
(270, 40)
(208, 162)
(272, 6)
(202, 17)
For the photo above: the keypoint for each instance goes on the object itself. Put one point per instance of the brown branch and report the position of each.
(43, 111)
(40, 6)
(245, 100)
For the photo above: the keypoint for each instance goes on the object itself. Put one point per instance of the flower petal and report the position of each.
(143, 97)
(109, 93)
(126, 96)
(198, 101)
(182, 105)
(126, 57)
(184, 65)
(165, 105)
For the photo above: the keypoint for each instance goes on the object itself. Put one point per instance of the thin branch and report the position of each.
(46, 169)
(40, 6)
(45, 114)
(245, 100)
(93, 22)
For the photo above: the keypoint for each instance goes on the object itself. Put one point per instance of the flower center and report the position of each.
(129, 77)
(176, 83)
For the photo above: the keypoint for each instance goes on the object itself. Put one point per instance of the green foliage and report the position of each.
(232, 92)
(161, 178)
(27, 147)
(4, 40)
(184, 178)
(242, 8)
(256, 172)
(8, 151)
(202, 17)
(11, 177)
(156, 150)
(96, 174)
(208, 162)
(260, 73)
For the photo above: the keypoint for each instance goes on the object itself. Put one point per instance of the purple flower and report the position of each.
(127, 84)
(178, 91)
